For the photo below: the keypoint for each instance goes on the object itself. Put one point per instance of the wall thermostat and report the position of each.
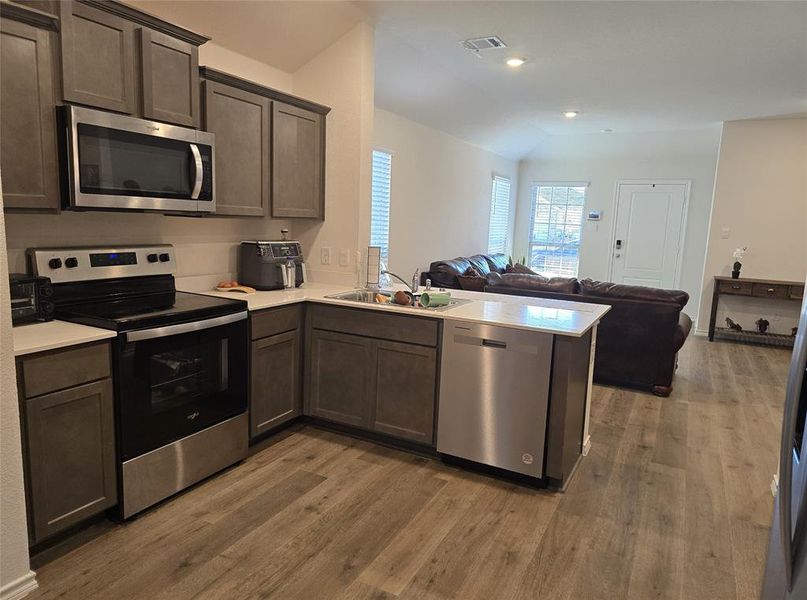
(594, 215)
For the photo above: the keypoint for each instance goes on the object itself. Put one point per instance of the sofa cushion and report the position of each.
(558, 285)
(606, 289)
(472, 280)
(682, 331)
(497, 262)
(519, 268)
(443, 273)
(480, 263)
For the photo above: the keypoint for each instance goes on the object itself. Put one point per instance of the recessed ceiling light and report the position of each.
(607, 130)
(570, 114)
(515, 62)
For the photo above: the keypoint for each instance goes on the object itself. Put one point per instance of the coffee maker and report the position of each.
(268, 265)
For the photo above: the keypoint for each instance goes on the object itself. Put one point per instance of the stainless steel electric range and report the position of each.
(179, 364)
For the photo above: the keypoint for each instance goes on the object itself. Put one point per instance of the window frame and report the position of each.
(494, 179)
(384, 248)
(534, 191)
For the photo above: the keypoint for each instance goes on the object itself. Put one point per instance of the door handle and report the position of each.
(147, 334)
(494, 344)
(198, 171)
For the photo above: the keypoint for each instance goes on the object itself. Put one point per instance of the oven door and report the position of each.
(119, 162)
(176, 380)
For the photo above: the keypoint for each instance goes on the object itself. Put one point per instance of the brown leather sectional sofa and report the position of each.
(637, 341)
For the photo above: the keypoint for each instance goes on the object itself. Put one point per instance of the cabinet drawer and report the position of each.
(764, 290)
(63, 369)
(796, 292)
(275, 320)
(371, 323)
(741, 288)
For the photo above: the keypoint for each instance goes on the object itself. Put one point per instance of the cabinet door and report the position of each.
(28, 153)
(298, 163)
(71, 456)
(170, 79)
(339, 377)
(97, 58)
(240, 121)
(275, 396)
(404, 391)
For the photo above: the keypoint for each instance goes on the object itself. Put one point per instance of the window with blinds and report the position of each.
(379, 211)
(499, 215)
(555, 229)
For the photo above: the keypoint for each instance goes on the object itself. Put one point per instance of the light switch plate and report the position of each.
(325, 255)
(344, 257)
(725, 232)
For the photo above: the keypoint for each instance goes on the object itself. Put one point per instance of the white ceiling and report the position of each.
(627, 66)
(284, 34)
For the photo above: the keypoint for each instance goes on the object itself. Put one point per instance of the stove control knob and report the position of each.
(164, 257)
(55, 263)
(151, 258)
(71, 262)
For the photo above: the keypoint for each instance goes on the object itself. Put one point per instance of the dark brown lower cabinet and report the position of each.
(379, 385)
(404, 391)
(70, 456)
(340, 376)
(275, 395)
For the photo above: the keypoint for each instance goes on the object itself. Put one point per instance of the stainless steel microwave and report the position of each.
(119, 162)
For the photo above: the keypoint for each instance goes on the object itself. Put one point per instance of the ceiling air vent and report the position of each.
(489, 42)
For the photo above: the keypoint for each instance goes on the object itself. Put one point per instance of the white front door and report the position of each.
(649, 231)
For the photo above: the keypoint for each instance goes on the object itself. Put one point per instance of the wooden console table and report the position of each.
(755, 288)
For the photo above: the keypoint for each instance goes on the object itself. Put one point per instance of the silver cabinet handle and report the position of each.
(157, 332)
(197, 159)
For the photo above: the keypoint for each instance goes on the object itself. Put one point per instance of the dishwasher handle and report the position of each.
(494, 344)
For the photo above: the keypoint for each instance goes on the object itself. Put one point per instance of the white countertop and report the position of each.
(559, 317)
(38, 337)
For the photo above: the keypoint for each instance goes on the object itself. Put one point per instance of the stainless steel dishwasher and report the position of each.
(494, 391)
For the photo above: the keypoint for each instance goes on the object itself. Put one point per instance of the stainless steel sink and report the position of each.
(367, 296)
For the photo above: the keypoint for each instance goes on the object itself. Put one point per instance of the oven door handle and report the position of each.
(158, 332)
(198, 171)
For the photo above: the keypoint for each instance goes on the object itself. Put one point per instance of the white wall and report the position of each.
(761, 198)
(440, 194)
(342, 78)
(15, 573)
(604, 159)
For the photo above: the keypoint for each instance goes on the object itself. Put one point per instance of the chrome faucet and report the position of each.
(413, 287)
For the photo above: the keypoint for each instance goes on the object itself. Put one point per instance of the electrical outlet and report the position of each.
(725, 232)
(344, 257)
(325, 255)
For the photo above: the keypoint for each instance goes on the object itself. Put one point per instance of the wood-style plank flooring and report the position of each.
(673, 501)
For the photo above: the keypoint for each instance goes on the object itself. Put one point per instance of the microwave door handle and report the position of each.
(198, 171)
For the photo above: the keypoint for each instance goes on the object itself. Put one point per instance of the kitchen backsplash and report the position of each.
(205, 247)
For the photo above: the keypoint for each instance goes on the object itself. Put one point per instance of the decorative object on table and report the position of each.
(732, 325)
(234, 286)
(794, 331)
(762, 325)
(738, 255)
(521, 261)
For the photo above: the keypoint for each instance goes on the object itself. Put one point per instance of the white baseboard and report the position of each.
(20, 587)
(586, 445)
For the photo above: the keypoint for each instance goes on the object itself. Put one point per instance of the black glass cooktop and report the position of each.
(153, 310)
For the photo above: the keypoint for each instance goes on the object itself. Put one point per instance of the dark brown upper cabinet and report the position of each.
(298, 165)
(28, 151)
(294, 171)
(117, 58)
(170, 79)
(240, 120)
(98, 59)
